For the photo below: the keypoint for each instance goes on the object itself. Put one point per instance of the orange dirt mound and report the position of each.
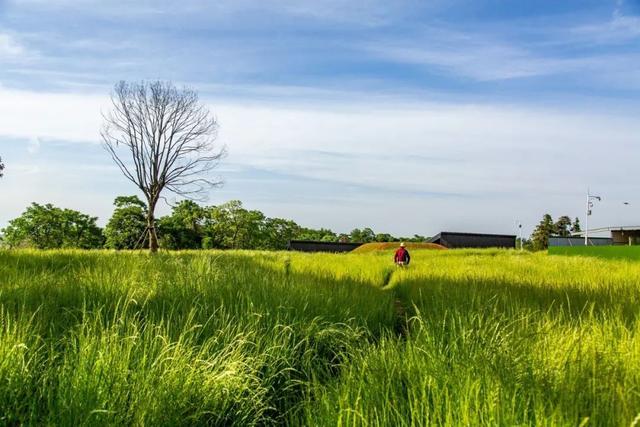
(386, 246)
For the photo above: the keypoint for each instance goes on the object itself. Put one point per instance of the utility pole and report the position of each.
(590, 200)
(520, 234)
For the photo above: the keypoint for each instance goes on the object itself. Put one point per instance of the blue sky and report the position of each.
(462, 115)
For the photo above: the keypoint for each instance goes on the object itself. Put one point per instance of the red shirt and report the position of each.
(401, 255)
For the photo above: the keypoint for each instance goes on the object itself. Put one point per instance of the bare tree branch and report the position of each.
(162, 138)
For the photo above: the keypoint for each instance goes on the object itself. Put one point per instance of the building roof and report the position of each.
(324, 243)
(451, 239)
(319, 246)
(615, 228)
(457, 233)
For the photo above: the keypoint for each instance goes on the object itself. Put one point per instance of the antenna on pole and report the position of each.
(590, 200)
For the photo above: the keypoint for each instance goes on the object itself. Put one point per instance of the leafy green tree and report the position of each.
(416, 238)
(328, 238)
(527, 244)
(384, 237)
(278, 232)
(49, 227)
(320, 235)
(575, 228)
(356, 236)
(562, 227)
(231, 226)
(127, 227)
(366, 235)
(542, 232)
(184, 228)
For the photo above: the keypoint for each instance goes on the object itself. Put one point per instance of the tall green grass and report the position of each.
(255, 338)
(610, 252)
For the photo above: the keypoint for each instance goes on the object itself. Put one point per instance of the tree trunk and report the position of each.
(151, 225)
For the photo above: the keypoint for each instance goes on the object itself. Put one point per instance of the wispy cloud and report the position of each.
(361, 13)
(425, 157)
(484, 57)
(10, 48)
(621, 27)
(31, 115)
(337, 112)
(467, 56)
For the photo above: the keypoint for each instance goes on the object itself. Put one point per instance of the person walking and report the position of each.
(402, 257)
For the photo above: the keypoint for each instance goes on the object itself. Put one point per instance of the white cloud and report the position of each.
(486, 58)
(30, 115)
(475, 148)
(620, 28)
(501, 161)
(363, 12)
(10, 48)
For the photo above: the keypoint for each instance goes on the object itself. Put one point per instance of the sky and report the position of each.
(406, 116)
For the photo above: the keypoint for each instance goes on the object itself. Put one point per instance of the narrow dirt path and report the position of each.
(400, 309)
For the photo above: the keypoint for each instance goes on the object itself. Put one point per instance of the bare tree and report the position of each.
(162, 138)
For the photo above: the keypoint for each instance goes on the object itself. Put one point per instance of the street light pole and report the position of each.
(586, 220)
(590, 199)
(520, 235)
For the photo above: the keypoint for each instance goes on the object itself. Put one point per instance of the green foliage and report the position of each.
(231, 226)
(562, 227)
(278, 232)
(1, 168)
(127, 226)
(49, 227)
(184, 228)
(417, 238)
(384, 237)
(527, 244)
(227, 226)
(575, 227)
(541, 234)
(320, 235)
(547, 228)
(366, 235)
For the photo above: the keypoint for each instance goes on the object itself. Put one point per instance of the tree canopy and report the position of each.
(563, 227)
(49, 227)
(189, 226)
(127, 226)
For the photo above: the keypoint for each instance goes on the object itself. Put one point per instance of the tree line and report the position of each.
(562, 227)
(188, 226)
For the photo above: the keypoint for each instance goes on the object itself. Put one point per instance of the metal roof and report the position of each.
(457, 233)
(601, 229)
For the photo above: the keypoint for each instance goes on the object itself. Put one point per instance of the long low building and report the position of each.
(454, 240)
(620, 235)
(318, 246)
(625, 235)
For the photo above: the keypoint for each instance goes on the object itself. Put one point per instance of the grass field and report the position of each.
(485, 337)
(611, 252)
